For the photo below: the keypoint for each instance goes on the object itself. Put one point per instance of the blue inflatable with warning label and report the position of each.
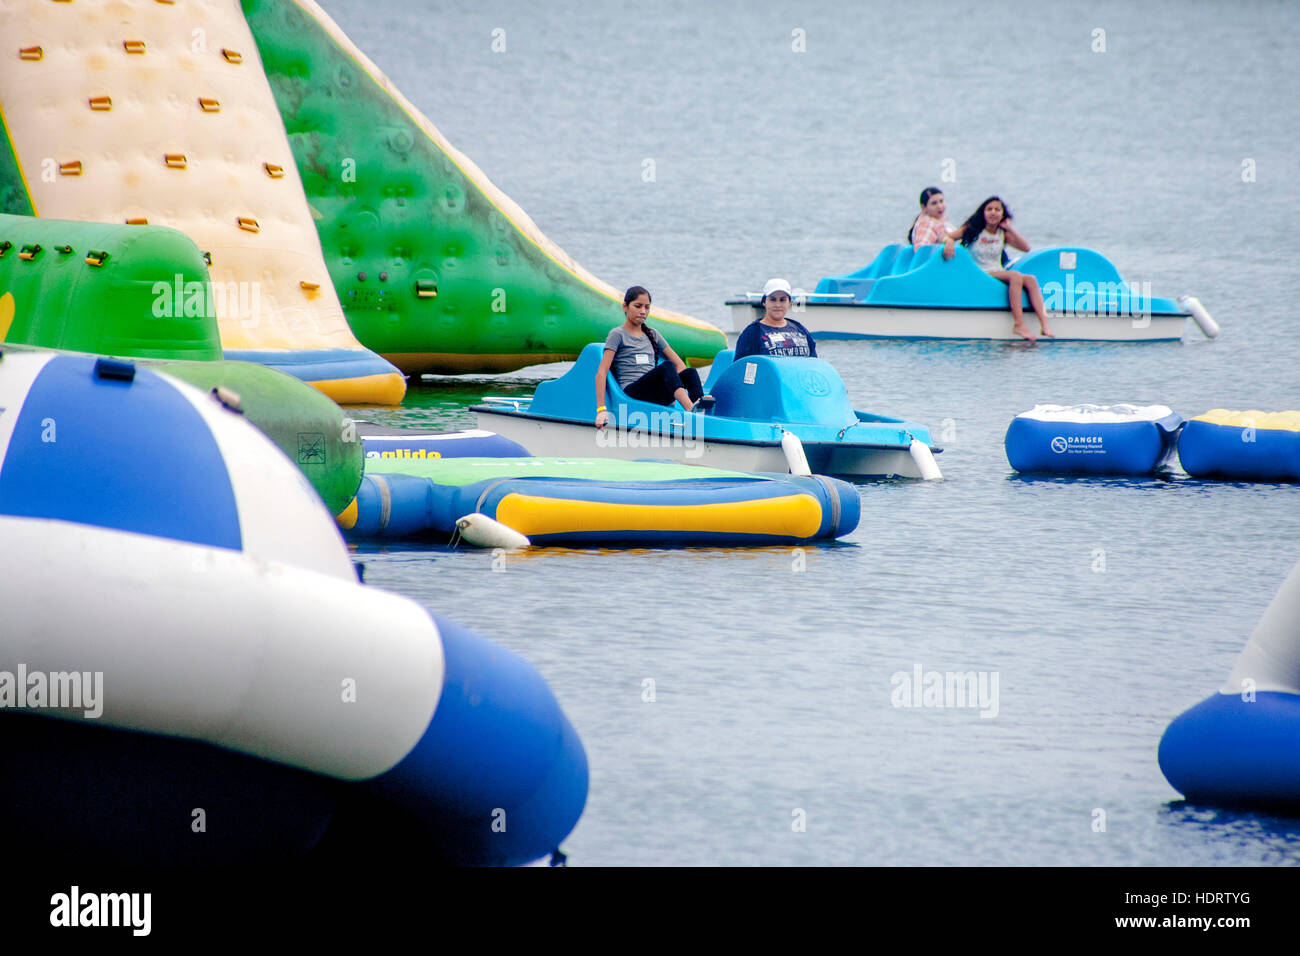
(1092, 439)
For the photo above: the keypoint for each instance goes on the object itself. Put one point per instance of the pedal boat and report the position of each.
(772, 415)
(917, 294)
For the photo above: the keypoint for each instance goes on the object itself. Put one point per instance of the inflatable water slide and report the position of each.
(346, 241)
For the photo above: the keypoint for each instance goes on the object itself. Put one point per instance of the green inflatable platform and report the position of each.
(437, 270)
(133, 291)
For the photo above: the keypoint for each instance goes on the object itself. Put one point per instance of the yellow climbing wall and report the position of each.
(160, 112)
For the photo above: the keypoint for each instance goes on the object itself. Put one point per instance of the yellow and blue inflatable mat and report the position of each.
(1247, 445)
(600, 502)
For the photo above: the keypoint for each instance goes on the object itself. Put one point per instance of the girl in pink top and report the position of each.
(932, 225)
(985, 234)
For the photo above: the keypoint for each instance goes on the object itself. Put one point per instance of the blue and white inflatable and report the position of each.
(176, 595)
(1241, 747)
(1092, 439)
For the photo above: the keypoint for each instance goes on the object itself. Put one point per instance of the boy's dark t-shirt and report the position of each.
(791, 339)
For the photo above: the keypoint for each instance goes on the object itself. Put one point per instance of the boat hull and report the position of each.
(864, 321)
(547, 438)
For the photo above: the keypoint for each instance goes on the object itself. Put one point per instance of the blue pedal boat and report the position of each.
(917, 294)
(772, 415)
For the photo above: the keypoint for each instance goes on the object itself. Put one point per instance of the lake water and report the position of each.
(1103, 607)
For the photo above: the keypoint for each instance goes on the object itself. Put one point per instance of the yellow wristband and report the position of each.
(601, 409)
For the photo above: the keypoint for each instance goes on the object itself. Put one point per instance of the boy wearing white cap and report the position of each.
(774, 334)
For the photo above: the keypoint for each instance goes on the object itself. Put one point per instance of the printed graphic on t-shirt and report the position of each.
(786, 341)
(987, 251)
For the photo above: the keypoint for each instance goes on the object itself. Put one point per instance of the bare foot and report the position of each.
(1021, 330)
(1048, 333)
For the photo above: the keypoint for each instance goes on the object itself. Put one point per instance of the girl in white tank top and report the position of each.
(986, 250)
(985, 234)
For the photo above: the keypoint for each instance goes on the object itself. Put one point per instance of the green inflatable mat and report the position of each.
(466, 471)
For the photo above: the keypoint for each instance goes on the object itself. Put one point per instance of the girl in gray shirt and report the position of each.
(631, 350)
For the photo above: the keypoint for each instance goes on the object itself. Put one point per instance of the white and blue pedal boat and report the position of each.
(772, 415)
(917, 294)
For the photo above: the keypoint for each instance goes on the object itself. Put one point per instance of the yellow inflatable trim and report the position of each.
(798, 516)
(385, 389)
(1281, 421)
(347, 518)
(6, 314)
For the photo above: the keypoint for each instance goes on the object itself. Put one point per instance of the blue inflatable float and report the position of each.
(191, 674)
(600, 501)
(1242, 446)
(1241, 747)
(1092, 439)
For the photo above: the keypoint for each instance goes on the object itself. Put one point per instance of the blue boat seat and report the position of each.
(721, 362)
(768, 388)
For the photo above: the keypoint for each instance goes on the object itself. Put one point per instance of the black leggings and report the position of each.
(661, 383)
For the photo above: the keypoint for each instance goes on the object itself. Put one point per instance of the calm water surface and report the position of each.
(1105, 607)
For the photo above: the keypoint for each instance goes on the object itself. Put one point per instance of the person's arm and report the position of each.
(745, 344)
(812, 344)
(1014, 239)
(950, 243)
(673, 357)
(606, 360)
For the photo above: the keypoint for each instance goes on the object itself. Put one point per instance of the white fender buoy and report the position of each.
(484, 532)
(1200, 315)
(924, 459)
(794, 454)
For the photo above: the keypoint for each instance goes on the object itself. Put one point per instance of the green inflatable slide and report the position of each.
(437, 270)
